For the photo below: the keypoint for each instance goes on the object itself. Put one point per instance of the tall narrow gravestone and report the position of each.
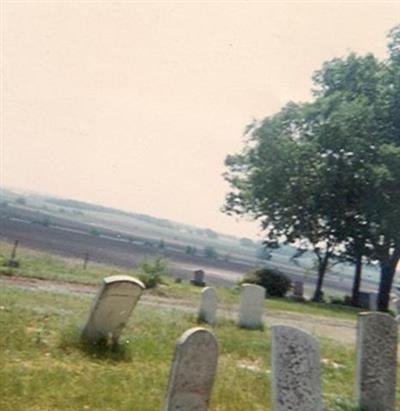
(192, 372)
(295, 370)
(375, 388)
(208, 305)
(112, 308)
(251, 306)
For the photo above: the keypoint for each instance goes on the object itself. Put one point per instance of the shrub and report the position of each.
(210, 252)
(151, 272)
(276, 283)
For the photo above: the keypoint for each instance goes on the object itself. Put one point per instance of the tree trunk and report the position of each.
(385, 285)
(355, 294)
(322, 265)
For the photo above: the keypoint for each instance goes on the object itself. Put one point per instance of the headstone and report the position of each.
(298, 291)
(397, 305)
(364, 300)
(198, 278)
(112, 308)
(373, 301)
(295, 370)
(192, 372)
(251, 306)
(208, 305)
(375, 388)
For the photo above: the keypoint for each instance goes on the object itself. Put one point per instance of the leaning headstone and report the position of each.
(112, 308)
(295, 370)
(251, 306)
(208, 305)
(192, 372)
(375, 388)
(298, 291)
(373, 301)
(198, 278)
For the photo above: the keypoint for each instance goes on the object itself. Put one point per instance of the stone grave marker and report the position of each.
(112, 308)
(397, 305)
(375, 383)
(251, 306)
(373, 301)
(295, 370)
(198, 278)
(298, 291)
(192, 372)
(208, 305)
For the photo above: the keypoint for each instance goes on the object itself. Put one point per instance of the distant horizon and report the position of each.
(48, 194)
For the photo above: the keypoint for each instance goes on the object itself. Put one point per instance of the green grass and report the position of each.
(43, 365)
(38, 264)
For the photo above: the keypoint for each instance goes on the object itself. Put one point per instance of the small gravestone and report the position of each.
(298, 291)
(251, 306)
(364, 300)
(373, 301)
(192, 372)
(198, 278)
(295, 370)
(397, 305)
(208, 305)
(375, 388)
(112, 308)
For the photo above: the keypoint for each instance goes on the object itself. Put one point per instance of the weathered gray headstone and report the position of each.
(112, 308)
(192, 372)
(198, 278)
(208, 305)
(397, 305)
(295, 370)
(373, 301)
(251, 306)
(298, 291)
(375, 388)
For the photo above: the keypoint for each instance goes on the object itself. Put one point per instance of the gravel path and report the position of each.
(341, 330)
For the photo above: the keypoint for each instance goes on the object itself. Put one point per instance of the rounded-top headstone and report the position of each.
(251, 306)
(295, 370)
(208, 305)
(112, 307)
(192, 372)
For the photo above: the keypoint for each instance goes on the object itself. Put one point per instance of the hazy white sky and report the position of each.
(135, 105)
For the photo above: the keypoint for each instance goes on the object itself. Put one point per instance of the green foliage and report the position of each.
(161, 244)
(276, 283)
(210, 252)
(327, 172)
(20, 200)
(152, 271)
(191, 250)
(94, 232)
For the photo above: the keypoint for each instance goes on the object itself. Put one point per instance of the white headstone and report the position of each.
(251, 306)
(112, 308)
(375, 388)
(295, 370)
(373, 301)
(192, 372)
(208, 305)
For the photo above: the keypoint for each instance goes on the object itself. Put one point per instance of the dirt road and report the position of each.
(340, 330)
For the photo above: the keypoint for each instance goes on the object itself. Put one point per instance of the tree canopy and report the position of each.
(328, 171)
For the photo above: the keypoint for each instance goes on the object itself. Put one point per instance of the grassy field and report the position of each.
(38, 264)
(45, 367)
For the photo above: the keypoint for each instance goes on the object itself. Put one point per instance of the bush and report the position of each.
(276, 283)
(151, 272)
(210, 252)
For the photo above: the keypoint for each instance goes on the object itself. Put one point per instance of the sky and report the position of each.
(136, 105)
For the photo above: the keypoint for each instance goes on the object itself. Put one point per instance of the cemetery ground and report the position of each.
(43, 365)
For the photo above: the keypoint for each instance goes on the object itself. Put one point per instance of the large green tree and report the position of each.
(329, 171)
